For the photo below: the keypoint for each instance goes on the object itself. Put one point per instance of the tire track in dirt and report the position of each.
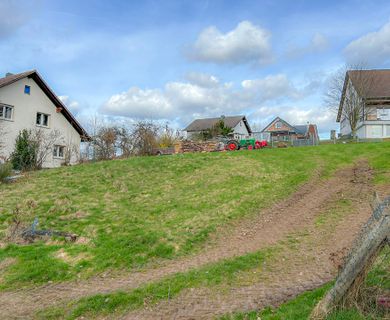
(267, 228)
(319, 257)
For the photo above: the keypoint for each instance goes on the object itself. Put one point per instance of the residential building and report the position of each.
(27, 102)
(280, 130)
(374, 119)
(239, 125)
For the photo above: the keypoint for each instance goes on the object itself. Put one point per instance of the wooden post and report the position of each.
(373, 236)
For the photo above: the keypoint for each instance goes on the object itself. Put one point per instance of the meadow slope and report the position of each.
(140, 213)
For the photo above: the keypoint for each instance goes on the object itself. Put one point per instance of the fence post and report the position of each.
(371, 239)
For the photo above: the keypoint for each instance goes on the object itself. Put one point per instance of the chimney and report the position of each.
(9, 74)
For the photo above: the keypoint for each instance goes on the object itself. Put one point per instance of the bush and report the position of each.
(5, 171)
(24, 156)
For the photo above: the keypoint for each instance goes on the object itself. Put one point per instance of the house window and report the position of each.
(58, 152)
(278, 125)
(27, 89)
(42, 119)
(6, 112)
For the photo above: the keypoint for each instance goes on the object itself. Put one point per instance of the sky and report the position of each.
(174, 61)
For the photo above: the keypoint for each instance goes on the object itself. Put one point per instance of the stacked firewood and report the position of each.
(197, 146)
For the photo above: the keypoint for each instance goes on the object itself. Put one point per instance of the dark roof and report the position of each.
(208, 123)
(302, 129)
(378, 88)
(33, 74)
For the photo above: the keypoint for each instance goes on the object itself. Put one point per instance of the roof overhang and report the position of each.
(33, 74)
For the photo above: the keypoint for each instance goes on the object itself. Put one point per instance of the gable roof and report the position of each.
(33, 74)
(277, 119)
(208, 123)
(379, 88)
(380, 79)
(302, 129)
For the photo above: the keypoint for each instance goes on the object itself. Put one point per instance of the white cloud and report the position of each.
(372, 48)
(272, 87)
(184, 101)
(178, 100)
(202, 79)
(318, 43)
(138, 103)
(72, 105)
(246, 43)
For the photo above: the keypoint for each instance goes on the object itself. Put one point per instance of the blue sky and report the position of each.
(178, 60)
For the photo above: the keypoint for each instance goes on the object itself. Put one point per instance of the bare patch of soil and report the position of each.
(268, 227)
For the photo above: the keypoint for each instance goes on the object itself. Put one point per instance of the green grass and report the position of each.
(133, 212)
(223, 272)
(296, 309)
(301, 307)
(338, 210)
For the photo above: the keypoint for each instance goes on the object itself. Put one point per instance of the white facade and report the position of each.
(241, 131)
(376, 125)
(25, 108)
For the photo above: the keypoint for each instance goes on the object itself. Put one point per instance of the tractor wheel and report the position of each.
(232, 145)
(257, 145)
(250, 147)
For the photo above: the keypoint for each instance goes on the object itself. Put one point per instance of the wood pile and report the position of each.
(196, 146)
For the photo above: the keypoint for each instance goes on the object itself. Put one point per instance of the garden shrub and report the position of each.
(5, 171)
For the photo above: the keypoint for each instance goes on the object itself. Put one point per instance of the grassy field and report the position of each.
(301, 307)
(131, 213)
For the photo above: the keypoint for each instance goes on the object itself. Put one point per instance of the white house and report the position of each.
(374, 119)
(239, 125)
(27, 102)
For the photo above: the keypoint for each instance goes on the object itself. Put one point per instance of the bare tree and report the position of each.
(347, 94)
(71, 153)
(144, 137)
(104, 143)
(45, 142)
(124, 141)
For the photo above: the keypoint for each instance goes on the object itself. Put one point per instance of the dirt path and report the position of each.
(269, 227)
(320, 254)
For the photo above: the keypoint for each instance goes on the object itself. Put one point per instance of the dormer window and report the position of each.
(27, 89)
(42, 119)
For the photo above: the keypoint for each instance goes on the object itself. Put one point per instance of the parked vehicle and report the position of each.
(163, 151)
(248, 144)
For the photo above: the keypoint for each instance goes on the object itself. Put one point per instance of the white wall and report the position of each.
(377, 130)
(25, 108)
(240, 130)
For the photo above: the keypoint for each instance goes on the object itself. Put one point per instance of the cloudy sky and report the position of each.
(178, 60)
